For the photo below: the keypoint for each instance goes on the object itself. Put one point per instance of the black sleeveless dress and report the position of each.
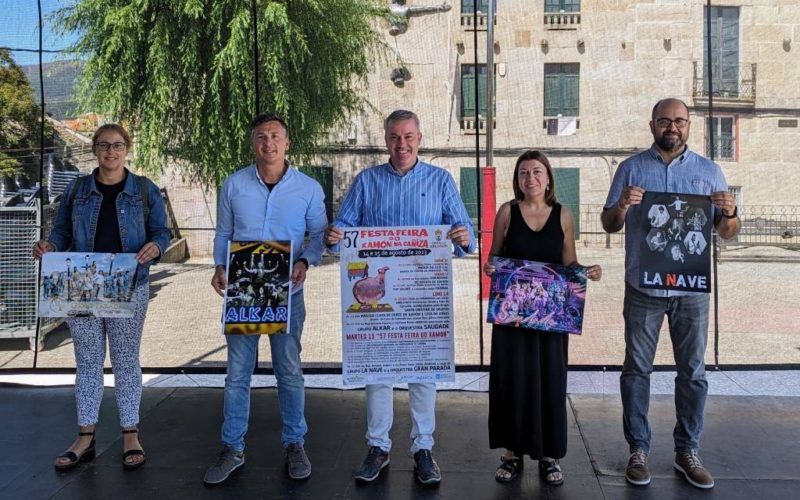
(528, 373)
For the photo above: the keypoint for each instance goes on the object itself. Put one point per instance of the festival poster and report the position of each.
(99, 285)
(537, 295)
(397, 306)
(676, 250)
(258, 299)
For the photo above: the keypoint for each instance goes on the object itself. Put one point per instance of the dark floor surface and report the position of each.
(750, 444)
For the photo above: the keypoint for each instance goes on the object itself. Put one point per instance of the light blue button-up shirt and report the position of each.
(248, 211)
(425, 195)
(688, 173)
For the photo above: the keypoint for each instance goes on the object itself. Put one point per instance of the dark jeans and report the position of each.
(688, 329)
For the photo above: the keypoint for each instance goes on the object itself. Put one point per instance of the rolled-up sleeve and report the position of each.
(224, 230)
(455, 213)
(316, 222)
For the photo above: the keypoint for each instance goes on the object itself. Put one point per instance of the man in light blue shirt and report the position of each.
(403, 192)
(268, 201)
(668, 166)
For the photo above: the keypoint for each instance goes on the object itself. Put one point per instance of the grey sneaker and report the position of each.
(637, 472)
(372, 466)
(425, 468)
(689, 464)
(228, 460)
(297, 464)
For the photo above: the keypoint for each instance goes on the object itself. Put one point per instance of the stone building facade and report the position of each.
(603, 64)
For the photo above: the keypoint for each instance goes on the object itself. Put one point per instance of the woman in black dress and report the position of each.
(528, 375)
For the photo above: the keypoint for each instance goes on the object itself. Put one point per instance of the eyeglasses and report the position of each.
(105, 146)
(666, 122)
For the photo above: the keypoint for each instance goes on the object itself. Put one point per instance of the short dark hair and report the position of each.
(549, 195)
(113, 127)
(663, 101)
(268, 117)
(399, 115)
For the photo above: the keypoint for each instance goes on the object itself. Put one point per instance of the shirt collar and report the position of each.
(657, 156)
(390, 168)
(286, 175)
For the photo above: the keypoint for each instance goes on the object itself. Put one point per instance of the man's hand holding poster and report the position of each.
(536, 295)
(258, 298)
(397, 308)
(676, 247)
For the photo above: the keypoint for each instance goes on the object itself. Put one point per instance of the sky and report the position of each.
(19, 29)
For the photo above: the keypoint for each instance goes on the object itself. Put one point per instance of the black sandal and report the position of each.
(550, 467)
(132, 453)
(74, 459)
(513, 466)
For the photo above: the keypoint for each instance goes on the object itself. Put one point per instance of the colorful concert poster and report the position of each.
(91, 284)
(536, 295)
(258, 299)
(397, 306)
(676, 249)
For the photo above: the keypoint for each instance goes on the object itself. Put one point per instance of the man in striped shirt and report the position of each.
(403, 192)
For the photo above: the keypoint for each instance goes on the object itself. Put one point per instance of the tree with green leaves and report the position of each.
(19, 116)
(181, 72)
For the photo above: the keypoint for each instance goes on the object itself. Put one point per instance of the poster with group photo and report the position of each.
(676, 250)
(258, 299)
(536, 295)
(397, 305)
(96, 285)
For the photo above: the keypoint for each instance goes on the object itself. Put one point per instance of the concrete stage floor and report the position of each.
(750, 445)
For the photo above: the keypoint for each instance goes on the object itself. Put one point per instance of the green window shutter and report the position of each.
(565, 5)
(482, 89)
(323, 175)
(570, 83)
(469, 192)
(568, 193)
(561, 89)
(467, 90)
(551, 85)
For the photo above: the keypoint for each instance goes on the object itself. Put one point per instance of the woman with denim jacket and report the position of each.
(104, 212)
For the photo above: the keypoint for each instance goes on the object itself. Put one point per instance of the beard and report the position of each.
(670, 142)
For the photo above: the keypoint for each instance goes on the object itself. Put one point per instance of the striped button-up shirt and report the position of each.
(688, 173)
(425, 195)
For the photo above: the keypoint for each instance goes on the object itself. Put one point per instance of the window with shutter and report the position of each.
(561, 89)
(562, 5)
(468, 90)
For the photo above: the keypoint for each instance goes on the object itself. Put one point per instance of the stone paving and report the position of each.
(757, 304)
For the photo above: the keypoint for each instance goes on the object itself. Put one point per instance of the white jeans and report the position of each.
(380, 413)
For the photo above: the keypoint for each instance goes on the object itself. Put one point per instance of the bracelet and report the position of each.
(733, 215)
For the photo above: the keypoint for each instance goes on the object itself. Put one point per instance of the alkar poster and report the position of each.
(96, 285)
(676, 249)
(258, 298)
(397, 306)
(536, 295)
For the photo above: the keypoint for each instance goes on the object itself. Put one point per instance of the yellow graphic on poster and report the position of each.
(258, 299)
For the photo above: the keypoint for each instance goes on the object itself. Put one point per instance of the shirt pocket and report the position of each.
(701, 185)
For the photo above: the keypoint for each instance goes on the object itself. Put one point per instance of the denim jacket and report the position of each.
(75, 231)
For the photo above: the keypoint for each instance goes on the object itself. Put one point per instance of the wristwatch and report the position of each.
(733, 215)
(303, 260)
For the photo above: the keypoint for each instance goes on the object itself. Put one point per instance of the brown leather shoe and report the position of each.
(637, 472)
(689, 464)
